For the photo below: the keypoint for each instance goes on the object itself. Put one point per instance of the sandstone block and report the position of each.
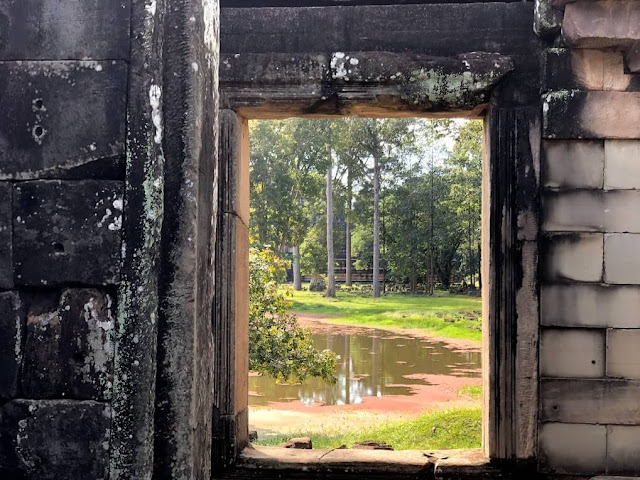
(573, 164)
(622, 164)
(623, 354)
(67, 232)
(581, 211)
(547, 20)
(590, 306)
(576, 257)
(591, 115)
(573, 448)
(623, 449)
(69, 346)
(601, 24)
(572, 352)
(622, 211)
(595, 211)
(433, 29)
(596, 401)
(12, 325)
(622, 258)
(51, 30)
(586, 69)
(54, 439)
(6, 244)
(60, 116)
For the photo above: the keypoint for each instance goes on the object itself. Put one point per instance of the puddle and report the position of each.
(372, 364)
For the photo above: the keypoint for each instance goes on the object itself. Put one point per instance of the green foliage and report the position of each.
(453, 428)
(430, 177)
(278, 346)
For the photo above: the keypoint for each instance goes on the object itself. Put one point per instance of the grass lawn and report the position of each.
(454, 428)
(443, 315)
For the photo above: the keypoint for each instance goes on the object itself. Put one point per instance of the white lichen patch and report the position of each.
(151, 8)
(106, 216)
(338, 66)
(155, 92)
(116, 224)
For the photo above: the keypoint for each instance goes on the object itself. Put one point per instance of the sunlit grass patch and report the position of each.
(472, 391)
(445, 315)
(453, 428)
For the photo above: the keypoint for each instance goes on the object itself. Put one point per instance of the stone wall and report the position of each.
(590, 294)
(63, 92)
(108, 159)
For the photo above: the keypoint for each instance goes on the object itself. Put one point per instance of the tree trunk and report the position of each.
(331, 277)
(347, 261)
(376, 228)
(297, 278)
(479, 268)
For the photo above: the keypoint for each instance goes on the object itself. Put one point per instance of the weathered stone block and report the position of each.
(632, 58)
(572, 353)
(622, 164)
(584, 69)
(547, 19)
(574, 115)
(575, 257)
(69, 346)
(581, 211)
(573, 164)
(621, 258)
(590, 306)
(622, 211)
(623, 354)
(573, 448)
(433, 29)
(6, 234)
(601, 24)
(623, 449)
(12, 324)
(67, 232)
(608, 401)
(75, 29)
(596, 210)
(60, 115)
(54, 439)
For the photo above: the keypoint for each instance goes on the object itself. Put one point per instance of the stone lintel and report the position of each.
(365, 83)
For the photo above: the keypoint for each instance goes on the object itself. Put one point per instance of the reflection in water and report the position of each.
(375, 363)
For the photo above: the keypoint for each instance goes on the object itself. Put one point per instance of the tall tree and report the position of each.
(348, 215)
(331, 261)
(382, 143)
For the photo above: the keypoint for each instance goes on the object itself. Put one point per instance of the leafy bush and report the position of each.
(278, 346)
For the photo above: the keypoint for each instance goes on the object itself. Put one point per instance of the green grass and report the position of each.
(444, 315)
(473, 391)
(454, 428)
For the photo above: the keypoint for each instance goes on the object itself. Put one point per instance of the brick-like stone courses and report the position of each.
(590, 263)
(63, 90)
